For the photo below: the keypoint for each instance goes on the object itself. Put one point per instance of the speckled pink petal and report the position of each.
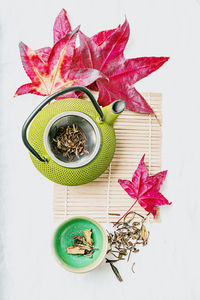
(154, 198)
(90, 52)
(82, 77)
(145, 188)
(60, 29)
(122, 77)
(61, 55)
(28, 88)
(153, 183)
(110, 91)
(105, 52)
(151, 200)
(128, 187)
(44, 53)
(149, 208)
(101, 37)
(61, 26)
(114, 47)
(24, 89)
(157, 180)
(133, 70)
(32, 63)
(94, 56)
(139, 176)
(76, 61)
(47, 78)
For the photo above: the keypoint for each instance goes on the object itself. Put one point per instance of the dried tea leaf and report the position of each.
(81, 247)
(79, 239)
(136, 250)
(143, 233)
(75, 250)
(113, 260)
(132, 268)
(88, 236)
(70, 142)
(115, 270)
(126, 237)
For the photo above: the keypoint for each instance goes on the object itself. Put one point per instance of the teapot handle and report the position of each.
(47, 100)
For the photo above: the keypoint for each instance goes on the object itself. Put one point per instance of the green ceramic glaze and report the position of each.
(64, 237)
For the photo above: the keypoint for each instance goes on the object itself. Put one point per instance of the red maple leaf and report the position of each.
(145, 189)
(61, 27)
(104, 52)
(51, 70)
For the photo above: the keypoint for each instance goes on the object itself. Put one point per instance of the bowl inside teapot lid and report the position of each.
(90, 131)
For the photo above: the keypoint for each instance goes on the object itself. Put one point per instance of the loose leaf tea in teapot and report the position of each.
(70, 142)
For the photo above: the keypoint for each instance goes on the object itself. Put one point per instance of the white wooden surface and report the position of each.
(169, 267)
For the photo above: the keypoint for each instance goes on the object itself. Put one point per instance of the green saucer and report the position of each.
(63, 238)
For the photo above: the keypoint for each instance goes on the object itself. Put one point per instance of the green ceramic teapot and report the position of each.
(95, 122)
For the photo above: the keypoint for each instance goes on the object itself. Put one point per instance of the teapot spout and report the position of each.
(112, 111)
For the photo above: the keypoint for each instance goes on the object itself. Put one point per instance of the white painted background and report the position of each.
(168, 268)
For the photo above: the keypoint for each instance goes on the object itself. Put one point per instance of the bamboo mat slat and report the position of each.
(136, 134)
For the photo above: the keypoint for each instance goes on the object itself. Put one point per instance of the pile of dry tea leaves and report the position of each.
(70, 142)
(83, 245)
(126, 238)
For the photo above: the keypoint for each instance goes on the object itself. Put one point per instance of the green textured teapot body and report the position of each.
(95, 122)
(60, 174)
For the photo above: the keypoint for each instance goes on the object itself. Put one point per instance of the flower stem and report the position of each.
(125, 213)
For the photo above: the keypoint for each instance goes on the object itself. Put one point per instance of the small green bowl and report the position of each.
(63, 238)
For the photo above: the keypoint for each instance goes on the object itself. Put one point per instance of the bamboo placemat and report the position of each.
(136, 134)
